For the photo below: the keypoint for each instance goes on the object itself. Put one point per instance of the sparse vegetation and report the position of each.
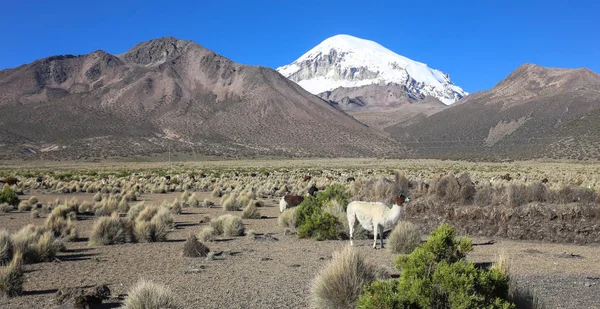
(341, 282)
(404, 238)
(108, 231)
(147, 294)
(9, 196)
(227, 225)
(11, 278)
(194, 248)
(436, 275)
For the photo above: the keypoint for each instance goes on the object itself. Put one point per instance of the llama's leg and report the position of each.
(375, 231)
(381, 235)
(351, 226)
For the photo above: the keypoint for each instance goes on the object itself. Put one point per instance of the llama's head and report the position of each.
(401, 199)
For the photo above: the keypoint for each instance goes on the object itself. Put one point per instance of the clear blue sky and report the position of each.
(477, 42)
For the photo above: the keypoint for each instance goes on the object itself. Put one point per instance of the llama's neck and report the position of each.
(391, 216)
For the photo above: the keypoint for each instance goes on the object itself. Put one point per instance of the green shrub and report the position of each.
(9, 196)
(320, 226)
(335, 192)
(436, 275)
(313, 221)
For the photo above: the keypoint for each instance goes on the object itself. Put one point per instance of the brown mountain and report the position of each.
(382, 106)
(534, 112)
(170, 93)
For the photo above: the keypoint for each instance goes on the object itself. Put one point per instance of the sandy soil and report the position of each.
(258, 273)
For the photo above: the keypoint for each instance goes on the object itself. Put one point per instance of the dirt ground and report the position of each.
(270, 273)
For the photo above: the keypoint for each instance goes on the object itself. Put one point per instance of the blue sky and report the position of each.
(477, 42)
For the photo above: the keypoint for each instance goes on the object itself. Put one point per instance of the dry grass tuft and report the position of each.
(228, 225)
(194, 248)
(447, 188)
(206, 234)
(404, 238)
(6, 247)
(108, 231)
(287, 219)
(341, 282)
(251, 211)
(11, 277)
(147, 295)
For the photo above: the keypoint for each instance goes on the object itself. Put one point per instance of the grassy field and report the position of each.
(72, 216)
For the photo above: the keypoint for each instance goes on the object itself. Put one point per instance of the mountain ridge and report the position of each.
(164, 94)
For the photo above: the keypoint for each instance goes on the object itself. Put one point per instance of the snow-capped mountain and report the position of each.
(347, 61)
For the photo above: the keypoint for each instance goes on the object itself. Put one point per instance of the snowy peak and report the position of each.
(347, 61)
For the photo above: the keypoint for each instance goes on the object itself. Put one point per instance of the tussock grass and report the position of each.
(24, 206)
(206, 234)
(147, 295)
(251, 211)
(228, 225)
(12, 277)
(194, 248)
(341, 282)
(404, 238)
(108, 231)
(287, 219)
(6, 246)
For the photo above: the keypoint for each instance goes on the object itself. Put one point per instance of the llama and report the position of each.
(375, 216)
(289, 201)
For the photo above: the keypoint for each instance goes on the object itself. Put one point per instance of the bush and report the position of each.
(517, 195)
(61, 227)
(9, 196)
(6, 247)
(404, 238)
(251, 211)
(147, 294)
(313, 222)
(228, 225)
(108, 231)
(11, 278)
(447, 189)
(436, 275)
(336, 192)
(24, 206)
(320, 226)
(5, 207)
(341, 282)
(206, 234)
(150, 231)
(287, 219)
(194, 248)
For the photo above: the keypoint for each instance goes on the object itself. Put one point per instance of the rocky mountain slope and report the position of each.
(169, 93)
(535, 112)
